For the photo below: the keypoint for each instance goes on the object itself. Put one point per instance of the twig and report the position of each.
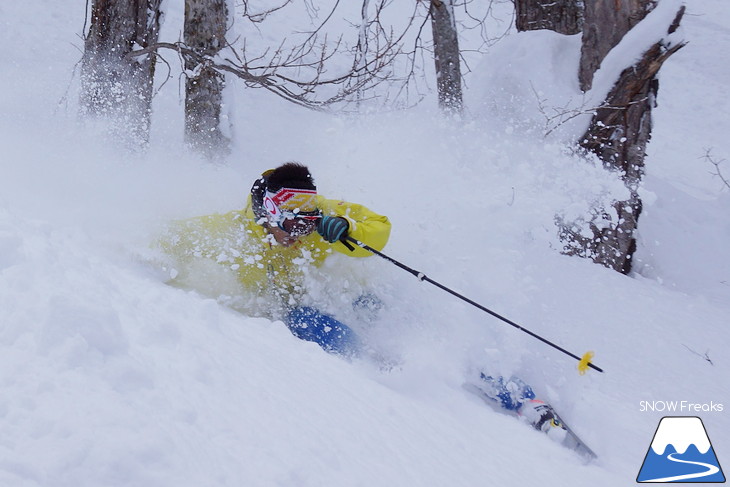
(706, 356)
(708, 157)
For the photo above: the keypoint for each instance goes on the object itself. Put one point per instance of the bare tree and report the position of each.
(386, 59)
(562, 16)
(363, 43)
(618, 134)
(204, 33)
(446, 55)
(620, 128)
(114, 86)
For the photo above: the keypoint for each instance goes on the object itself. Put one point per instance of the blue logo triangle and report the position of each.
(680, 451)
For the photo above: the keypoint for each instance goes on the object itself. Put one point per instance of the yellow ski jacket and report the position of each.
(237, 241)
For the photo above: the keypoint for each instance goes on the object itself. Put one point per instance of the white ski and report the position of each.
(559, 430)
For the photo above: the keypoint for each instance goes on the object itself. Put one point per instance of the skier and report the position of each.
(287, 226)
(284, 228)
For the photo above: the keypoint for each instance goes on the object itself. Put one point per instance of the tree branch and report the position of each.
(711, 159)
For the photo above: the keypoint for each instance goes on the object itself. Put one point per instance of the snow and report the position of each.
(681, 433)
(109, 376)
(635, 43)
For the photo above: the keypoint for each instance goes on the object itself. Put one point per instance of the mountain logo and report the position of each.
(681, 452)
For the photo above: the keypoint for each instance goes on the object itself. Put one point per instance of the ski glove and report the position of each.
(332, 228)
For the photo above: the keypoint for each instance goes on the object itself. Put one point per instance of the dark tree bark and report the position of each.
(605, 24)
(446, 56)
(205, 34)
(115, 85)
(618, 134)
(561, 16)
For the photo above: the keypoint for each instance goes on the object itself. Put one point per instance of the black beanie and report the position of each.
(290, 175)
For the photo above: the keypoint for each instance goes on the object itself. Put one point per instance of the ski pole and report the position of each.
(583, 362)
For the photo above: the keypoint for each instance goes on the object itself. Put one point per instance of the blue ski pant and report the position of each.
(332, 335)
(509, 393)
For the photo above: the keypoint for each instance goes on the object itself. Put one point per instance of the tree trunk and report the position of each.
(618, 134)
(447, 56)
(205, 33)
(561, 16)
(114, 85)
(605, 24)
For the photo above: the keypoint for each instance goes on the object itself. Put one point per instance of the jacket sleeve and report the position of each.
(365, 225)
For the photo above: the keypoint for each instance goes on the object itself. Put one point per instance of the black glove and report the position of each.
(332, 228)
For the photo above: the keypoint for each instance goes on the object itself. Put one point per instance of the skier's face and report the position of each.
(289, 230)
(298, 226)
(282, 238)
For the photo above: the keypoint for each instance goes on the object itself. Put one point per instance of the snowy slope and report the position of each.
(111, 377)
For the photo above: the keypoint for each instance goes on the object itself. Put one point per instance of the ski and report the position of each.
(573, 441)
(559, 431)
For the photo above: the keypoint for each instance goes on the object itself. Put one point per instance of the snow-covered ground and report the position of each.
(108, 376)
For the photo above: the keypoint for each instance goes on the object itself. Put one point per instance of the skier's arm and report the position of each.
(365, 225)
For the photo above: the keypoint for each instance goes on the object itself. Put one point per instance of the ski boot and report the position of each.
(543, 418)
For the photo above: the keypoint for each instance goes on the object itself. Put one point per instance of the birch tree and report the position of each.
(114, 86)
(204, 34)
(446, 56)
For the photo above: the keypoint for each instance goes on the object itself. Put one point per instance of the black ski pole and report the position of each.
(583, 362)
